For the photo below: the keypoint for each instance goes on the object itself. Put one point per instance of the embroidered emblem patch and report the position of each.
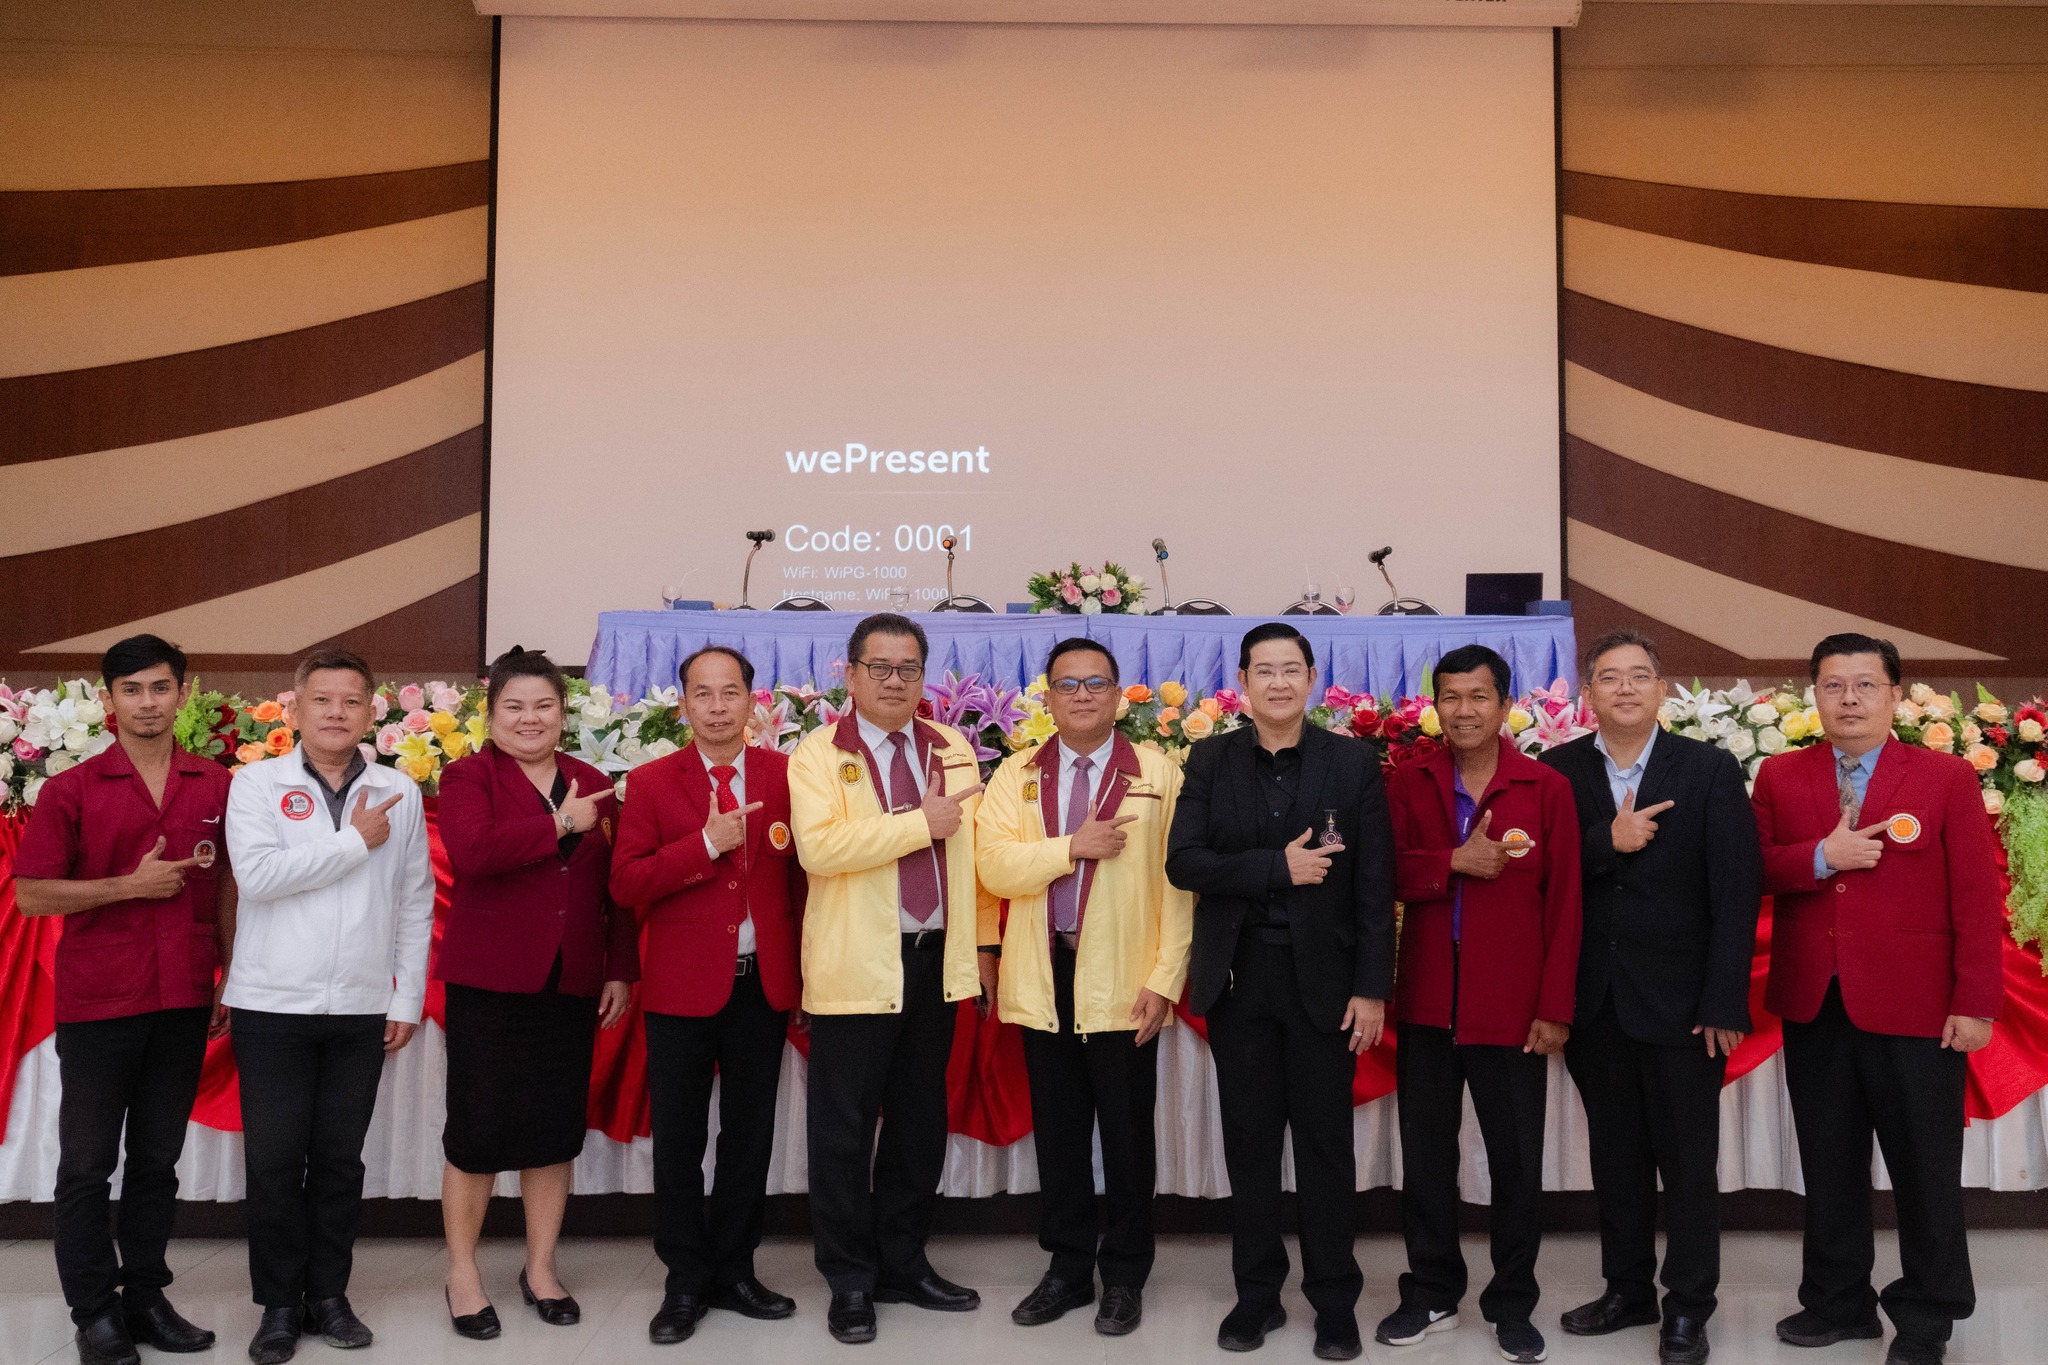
(296, 806)
(849, 773)
(1031, 790)
(778, 835)
(204, 852)
(1904, 829)
(1518, 836)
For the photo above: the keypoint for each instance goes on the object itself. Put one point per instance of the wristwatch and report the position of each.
(565, 822)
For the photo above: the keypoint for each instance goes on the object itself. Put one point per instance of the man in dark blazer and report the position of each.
(1671, 875)
(1292, 964)
(706, 856)
(1886, 968)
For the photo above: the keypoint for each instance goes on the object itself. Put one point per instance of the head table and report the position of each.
(1380, 654)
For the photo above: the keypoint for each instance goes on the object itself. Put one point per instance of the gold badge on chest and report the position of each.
(1031, 789)
(849, 773)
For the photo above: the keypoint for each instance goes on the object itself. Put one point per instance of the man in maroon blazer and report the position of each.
(1885, 968)
(706, 855)
(1486, 860)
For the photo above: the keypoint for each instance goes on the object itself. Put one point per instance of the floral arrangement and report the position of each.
(1086, 591)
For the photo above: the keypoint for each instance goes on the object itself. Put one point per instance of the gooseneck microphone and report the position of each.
(1165, 593)
(759, 538)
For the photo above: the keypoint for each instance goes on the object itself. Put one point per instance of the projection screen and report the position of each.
(1279, 296)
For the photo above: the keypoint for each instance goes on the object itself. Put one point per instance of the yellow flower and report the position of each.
(1123, 707)
(1519, 720)
(417, 754)
(1428, 722)
(419, 769)
(455, 745)
(1199, 725)
(1786, 703)
(1037, 688)
(1173, 694)
(1794, 725)
(1035, 728)
(443, 723)
(478, 729)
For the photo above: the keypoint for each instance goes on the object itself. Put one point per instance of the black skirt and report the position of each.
(518, 1077)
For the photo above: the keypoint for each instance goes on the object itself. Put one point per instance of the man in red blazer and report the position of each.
(706, 856)
(1885, 968)
(1486, 860)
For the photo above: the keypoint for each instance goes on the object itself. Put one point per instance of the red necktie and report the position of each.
(1066, 892)
(917, 874)
(721, 777)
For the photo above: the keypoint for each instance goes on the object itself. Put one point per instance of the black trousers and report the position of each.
(709, 1245)
(1077, 1085)
(309, 1086)
(894, 1066)
(1276, 1070)
(1651, 1111)
(141, 1071)
(1846, 1086)
(1508, 1095)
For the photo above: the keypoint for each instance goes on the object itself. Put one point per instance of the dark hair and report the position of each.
(746, 665)
(1077, 644)
(523, 663)
(1621, 637)
(140, 652)
(886, 623)
(1849, 642)
(1272, 630)
(1470, 659)
(322, 659)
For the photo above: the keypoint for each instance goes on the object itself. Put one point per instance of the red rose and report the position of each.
(924, 709)
(1365, 722)
(1423, 747)
(1393, 727)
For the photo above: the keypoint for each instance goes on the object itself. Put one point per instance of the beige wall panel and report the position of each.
(1753, 622)
(293, 613)
(1956, 511)
(82, 117)
(1933, 136)
(44, 503)
(1706, 34)
(105, 315)
(1966, 332)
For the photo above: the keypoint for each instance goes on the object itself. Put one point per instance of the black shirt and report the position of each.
(1279, 779)
(337, 797)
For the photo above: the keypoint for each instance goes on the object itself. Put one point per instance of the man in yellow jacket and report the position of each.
(883, 809)
(1093, 956)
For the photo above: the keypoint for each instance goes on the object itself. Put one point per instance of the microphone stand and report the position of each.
(1166, 607)
(747, 576)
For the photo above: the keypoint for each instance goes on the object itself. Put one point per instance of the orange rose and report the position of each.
(1211, 708)
(1137, 694)
(1982, 757)
(278, 741)
(1199, 724)
(1939, 736)
(266, 712)
(250, 753)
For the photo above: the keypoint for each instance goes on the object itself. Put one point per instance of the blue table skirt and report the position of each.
(1381, 654)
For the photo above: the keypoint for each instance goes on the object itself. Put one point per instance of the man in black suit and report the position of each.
(1672, 874)
(1292, 964)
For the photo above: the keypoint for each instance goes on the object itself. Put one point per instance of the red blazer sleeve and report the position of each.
(621, 943)
(479, 841)
(1421, 873)
(1788, 862)
(651, 863)
(1974, 907)
(1563, 911)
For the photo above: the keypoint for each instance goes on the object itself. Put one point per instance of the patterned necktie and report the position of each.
(721, 777)
(1850, 805)
(917, 873)
(1066, 892)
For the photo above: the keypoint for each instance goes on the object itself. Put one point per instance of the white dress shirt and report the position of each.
(1099, 761)
(877, 740)
(739, 796)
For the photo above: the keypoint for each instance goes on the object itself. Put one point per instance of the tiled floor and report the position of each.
(398, 1292)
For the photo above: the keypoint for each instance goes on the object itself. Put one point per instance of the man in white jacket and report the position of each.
(329, 975)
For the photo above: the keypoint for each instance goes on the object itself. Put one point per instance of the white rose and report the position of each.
(9, 729)
(1922, 693)
(1133, 583)
(1742, 744)
(1771, 740)
(1090, 582)
(661, 748)
(58, 761)
(1091, 606)
(34, 789)
(6, 768)
(90, 712)
(1754, 765)
(2029, 770)
(1994, 801)
(104, 741)
(2029, 730)
(1692, 732)
(1110, 582)
(1762, 713)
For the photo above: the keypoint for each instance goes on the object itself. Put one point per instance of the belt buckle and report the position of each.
(745, 965)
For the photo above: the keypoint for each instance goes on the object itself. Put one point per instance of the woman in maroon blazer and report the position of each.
(535, 957)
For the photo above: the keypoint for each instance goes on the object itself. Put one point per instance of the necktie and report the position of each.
(1850, 805)
(1066, 892)
(917, 873)
(721, 777)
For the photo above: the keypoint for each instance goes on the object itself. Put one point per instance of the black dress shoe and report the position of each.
(1122, 1309)
(933, 1292)
(277, 1336)
(1683, 1341)
(335, 1323)
(562, 1312)
(1907, 1351)
(1245, 1326)
(104, 1340)
(1337, 1337)
(851, 1317)
(750, 1298)
(1051, 1300)
(482, 1325)
(160, 1325)
(1808, 1328)
(676, 1319)
(1609, 1313)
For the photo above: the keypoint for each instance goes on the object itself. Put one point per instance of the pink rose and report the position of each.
(1230, 701)
(387, 739)
(411, 697)
(1110, 597)
(447, 699)
(417, 722)
(380, 707)
(1070, 592)
(27, 752)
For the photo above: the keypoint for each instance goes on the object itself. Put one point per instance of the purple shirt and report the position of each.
(1466, 809)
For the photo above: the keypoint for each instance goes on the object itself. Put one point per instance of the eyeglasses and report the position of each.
(880, 672)
(1266, 673)
(1866, 690)
(1096, 685)
(1639, 679)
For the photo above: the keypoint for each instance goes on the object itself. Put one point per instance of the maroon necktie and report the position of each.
(722, 776)
(917, 874)
(1066, 892)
